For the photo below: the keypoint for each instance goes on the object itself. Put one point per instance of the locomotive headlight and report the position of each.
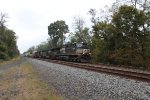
(85, 51)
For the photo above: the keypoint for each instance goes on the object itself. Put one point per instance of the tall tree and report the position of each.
(92, 12)
(8, 40)
(11, 41)
(3, 51)
(56, 32)
(3, 18)
(139, 4)
(3, 48)
(126, 40)
(78, 27)
(43, 46)
(130, 38)
(81, 33)
(102, 42)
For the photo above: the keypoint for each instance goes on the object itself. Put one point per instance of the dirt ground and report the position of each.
(18, 81)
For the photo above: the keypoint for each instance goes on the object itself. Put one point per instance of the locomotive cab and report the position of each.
(82, 48)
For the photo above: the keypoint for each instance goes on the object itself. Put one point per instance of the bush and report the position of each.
(3, 56)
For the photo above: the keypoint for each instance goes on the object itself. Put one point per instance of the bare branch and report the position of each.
(3, 17)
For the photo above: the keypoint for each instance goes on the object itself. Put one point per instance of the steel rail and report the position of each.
(128, 73)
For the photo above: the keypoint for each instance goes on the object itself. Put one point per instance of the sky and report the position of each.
(30, 19)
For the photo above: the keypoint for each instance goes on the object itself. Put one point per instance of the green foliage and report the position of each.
(43, 46)
(97, 49)
(10, 41)
(126, 40)
(131, 36)
(102, 41)
(3, 56)
(92, 12)
(3, 51)
(78, 26)
(31, 49)
(56, 32)
(81, 33)
(2, 47)
(85, 37)
(8, 47)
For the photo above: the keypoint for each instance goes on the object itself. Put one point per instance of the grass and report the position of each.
(9, 61)
(37, 88)
(27, 86)
(6, 81)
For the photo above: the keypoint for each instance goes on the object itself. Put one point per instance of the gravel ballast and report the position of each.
(80, 84)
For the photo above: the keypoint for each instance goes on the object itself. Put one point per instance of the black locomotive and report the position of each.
(71, 52)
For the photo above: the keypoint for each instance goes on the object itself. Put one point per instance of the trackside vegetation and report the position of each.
(119, 35)
(8, 40)
(124, 39)
(21, 82)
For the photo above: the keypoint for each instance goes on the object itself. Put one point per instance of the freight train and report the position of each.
(78, 52)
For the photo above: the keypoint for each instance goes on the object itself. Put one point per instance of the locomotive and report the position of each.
(78, 52)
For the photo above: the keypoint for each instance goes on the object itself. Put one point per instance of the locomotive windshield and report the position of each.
(82, 45)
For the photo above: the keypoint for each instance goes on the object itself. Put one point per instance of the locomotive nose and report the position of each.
(85, 51)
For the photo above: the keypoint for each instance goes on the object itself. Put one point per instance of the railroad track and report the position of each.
(128, 73)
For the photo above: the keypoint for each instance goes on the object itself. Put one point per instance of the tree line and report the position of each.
(8, 40)
(120, 35)
(125, 38)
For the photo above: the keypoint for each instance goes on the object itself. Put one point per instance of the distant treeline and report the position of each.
(119, 35)
(8, 47)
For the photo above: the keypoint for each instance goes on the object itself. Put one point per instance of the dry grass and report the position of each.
(10, 61)
(6, 83)
(21, 83)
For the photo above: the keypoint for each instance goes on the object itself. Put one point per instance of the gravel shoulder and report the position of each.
(80, 84)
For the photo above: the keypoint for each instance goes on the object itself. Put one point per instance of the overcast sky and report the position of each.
(30, 18)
